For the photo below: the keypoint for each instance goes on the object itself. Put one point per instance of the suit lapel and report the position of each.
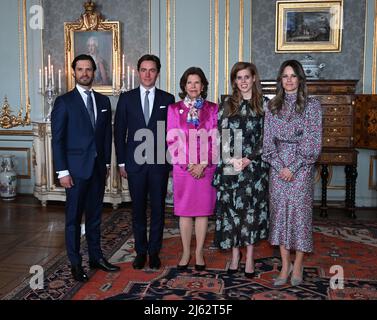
(81, 103)
(82, 106)
(138, 105)
(99, 106)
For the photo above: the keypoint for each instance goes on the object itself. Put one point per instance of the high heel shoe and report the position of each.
(233, 271)
(297, 281)
(182, 267)
(282, 281)
(200, 267)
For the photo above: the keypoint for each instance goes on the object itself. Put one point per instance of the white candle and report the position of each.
(49, 64)
(133, 78)
(128, 77)
(52, 76)
(123, 65)
(60, 80)
(46, 77)
(40, 79)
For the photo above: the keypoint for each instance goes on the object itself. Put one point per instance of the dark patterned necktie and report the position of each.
(90, 107)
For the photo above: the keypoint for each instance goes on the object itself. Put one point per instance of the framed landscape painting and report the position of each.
(307, 26)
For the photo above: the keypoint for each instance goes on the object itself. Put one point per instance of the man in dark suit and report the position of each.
(144, 111)
(81, 145)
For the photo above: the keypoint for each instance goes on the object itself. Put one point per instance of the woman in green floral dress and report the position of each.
(241, 177)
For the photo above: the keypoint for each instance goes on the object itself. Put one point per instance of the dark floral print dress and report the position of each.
(241, 198)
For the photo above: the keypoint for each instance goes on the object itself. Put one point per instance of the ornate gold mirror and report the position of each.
(7, 120)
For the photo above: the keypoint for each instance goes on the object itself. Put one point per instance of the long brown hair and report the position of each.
(235, 99)
(277, 102)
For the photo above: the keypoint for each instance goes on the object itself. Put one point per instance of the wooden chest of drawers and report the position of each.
(337, 100)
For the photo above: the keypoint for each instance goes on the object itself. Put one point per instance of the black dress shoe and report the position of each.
(250, 275)
(200, 267)
(104, 265)
(139, 261)
(154, 261)
(182, 267)
(79, 274)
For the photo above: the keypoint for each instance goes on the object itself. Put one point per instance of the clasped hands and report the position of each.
(196, 170)
(239, 164)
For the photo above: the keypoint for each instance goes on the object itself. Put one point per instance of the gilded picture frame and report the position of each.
(101, 39)
(307, 26)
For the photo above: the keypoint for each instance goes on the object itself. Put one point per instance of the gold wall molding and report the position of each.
(241, 32)
(168, 45)
(226, 49)
(150, 26)
(217, 48)
(16, 132)
(174, 48)
(374, 67)
(210, 51)
(365, 44)
(7, 120)
(251, 31)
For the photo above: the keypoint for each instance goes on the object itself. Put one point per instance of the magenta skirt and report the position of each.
(193, 197)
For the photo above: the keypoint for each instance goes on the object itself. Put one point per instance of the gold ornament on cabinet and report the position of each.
(7, 120)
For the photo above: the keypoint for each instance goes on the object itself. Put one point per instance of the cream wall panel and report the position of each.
(192, 39)
(13, 85)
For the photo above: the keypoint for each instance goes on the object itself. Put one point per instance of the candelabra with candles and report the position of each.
(47, 89)
(126, 86)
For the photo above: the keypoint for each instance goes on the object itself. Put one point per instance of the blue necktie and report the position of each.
(90, 107)
(146, 107)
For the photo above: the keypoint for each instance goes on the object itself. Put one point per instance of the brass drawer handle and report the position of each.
(335, 130)
(328, 140)
(334, 119)
(335, 109)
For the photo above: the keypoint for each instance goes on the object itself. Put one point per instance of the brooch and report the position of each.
(180, 111)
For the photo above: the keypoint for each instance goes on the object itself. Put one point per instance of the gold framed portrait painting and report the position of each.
(307, 26)
(102, 42)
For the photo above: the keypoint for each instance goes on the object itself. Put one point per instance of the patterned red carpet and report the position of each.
(351, 245)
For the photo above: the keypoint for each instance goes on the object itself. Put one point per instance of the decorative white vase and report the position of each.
(311, 68)
(8, 178)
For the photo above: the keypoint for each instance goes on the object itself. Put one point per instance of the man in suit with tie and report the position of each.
(81, 145)
(144, 108)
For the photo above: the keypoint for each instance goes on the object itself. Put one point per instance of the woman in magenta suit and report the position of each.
(191, 138)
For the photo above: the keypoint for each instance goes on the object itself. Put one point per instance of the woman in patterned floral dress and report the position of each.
(292, 144)
(241, 177)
